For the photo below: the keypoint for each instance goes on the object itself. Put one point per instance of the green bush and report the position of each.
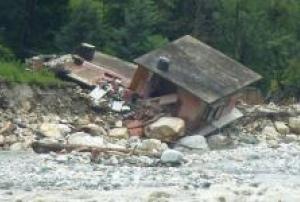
(6, 53)
(16, 72)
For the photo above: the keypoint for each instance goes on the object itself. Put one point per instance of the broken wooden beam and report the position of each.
(42, 147)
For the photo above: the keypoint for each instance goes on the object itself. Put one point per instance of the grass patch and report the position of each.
(15, 72)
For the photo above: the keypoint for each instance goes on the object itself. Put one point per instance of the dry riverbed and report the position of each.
(246, 173)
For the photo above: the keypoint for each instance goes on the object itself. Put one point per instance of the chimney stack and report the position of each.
(163, 64)
(86, 51)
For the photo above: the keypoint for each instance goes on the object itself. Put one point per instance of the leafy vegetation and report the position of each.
(263, 35)
(15, 71)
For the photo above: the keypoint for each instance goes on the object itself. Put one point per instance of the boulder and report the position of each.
(166, 129)
(11, 139)
(94, 129)
(218, 141)
(171, 156)
(17, 146)
(7, 128)
(248, 139)
(294, 123)
(81, 138)
(281, 127)
(291, 138)
(152, 145)
(2, 140)
(270, 133)
(197, 142)
(273, 144)
(119, 133)
(54, 130)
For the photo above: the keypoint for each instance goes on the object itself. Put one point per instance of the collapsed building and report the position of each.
(194, 81)
(202, 81)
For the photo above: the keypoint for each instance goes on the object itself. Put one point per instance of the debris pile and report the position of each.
(270, 124)
(82, 125)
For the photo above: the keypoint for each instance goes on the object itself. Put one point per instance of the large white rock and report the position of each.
(270, 133)
(81, 138)
(281, 127)
(152, 145)
(194, 142)
(166, 129)
(119, 133)
(294, 123)
(51, 130)
(171, 156)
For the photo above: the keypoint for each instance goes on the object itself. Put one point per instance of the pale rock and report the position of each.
(297, 108)
(61, 158)
(7, 128)
(273, 144)
(2, 139)
(159, 196)
(54, 130)
(94, 130)
(166, 129)
(270, 133)
(85, 120)
(11, 139)
(81, 138)
(194, 142)
(119, 124)
(281, 127)
(171, 156)
(26, 106)
(17, 146)
(291, 138)
(152, 145)
(218, 141)
(294, 123)
(119, 133)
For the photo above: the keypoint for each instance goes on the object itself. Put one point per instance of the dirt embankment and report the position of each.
(62, 101)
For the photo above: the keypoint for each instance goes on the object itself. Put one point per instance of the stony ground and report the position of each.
(250, 173)
(252, 160)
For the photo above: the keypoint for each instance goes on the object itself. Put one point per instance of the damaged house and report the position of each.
(91, 67)
(203, 82)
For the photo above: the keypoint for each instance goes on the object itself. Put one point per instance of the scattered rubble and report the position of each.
(64, 120)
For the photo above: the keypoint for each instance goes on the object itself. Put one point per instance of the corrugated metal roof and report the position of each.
(200, 69)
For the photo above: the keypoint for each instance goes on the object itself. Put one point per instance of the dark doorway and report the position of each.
(160, 86)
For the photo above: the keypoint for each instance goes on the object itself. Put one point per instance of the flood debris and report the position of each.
(200, 81)
(183, 88)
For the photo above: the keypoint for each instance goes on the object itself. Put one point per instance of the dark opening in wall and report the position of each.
(160, 86)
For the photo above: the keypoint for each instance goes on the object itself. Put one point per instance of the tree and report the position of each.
(28, 26)
(138, 34)
(84, 25)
